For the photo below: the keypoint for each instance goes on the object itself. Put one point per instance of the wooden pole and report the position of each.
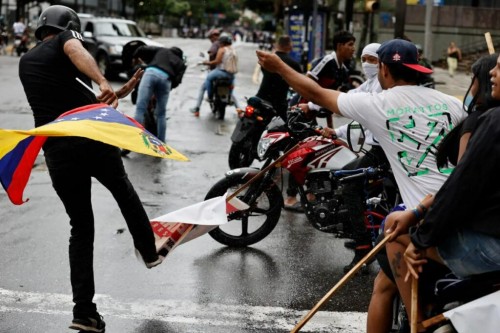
(414, 305)
(339, 284)
(489, 42)
(261, 173)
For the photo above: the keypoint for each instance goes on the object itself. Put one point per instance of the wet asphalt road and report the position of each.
(203, 286)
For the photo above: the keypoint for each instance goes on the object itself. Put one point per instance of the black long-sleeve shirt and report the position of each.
(470, 198)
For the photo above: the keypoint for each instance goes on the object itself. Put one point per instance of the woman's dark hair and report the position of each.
(482, 100)
(447, 151)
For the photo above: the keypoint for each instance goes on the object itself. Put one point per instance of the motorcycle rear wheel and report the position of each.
(250, 226)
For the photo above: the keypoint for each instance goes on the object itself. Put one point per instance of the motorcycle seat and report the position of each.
(452, 288)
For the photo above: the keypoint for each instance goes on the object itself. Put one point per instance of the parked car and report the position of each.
(105, 38)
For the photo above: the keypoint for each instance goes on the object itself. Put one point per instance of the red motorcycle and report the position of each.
(312, 161)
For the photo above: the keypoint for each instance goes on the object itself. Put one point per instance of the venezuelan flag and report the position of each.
(100, 122)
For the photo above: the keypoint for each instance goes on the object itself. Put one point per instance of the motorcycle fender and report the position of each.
(242, 173)
(243, 128)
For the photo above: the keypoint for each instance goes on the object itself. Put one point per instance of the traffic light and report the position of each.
(371, 5)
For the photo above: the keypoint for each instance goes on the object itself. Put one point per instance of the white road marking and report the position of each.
(187, 312)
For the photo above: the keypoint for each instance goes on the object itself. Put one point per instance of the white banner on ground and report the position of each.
(178, 227)
(481, 315)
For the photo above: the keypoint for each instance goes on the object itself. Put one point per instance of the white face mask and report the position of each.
(371, 70)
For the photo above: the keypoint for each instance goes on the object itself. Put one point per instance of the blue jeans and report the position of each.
(468, 252)
(72, 163)
(154, 82)
(207, 86)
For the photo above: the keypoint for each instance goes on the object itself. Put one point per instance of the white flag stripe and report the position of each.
(481, 315)
(186, 312)
(238, 204)
(208, 212)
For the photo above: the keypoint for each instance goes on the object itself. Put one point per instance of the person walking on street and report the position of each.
(164, 71)
(454, 56)
(48, 74)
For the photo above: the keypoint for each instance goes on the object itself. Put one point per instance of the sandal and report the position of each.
(296, 207)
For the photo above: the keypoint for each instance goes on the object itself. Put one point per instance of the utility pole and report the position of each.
(399, 27)
(349, 10)
(428, 29)
(312, 34)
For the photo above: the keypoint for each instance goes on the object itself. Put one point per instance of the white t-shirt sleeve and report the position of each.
(357, 106)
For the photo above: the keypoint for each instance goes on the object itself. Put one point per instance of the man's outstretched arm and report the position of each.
(303, 85)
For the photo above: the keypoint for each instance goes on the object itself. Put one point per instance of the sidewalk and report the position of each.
(456, 85)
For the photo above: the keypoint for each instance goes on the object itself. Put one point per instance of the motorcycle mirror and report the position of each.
(355, 136)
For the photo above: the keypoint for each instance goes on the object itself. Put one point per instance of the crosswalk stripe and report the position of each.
(186, 312)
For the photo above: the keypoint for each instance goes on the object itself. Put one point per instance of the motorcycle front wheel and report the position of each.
(252, 225)
(240, 156)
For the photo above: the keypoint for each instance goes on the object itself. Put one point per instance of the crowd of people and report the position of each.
(449, 220)
(454, 231)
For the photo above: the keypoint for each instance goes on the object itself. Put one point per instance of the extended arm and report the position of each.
(86, 64)
(303, 85)
(218, 58)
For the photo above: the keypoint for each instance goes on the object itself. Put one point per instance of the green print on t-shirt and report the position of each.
(400, 131)
(409, 110)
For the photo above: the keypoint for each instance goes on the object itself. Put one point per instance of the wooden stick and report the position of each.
(339, 284)
(414, 305)
(489, 42)
(261, 173)
(433, 321)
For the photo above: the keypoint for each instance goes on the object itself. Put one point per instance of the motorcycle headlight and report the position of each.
(263, 146)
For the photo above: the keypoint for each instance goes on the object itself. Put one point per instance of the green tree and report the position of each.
(152, 8)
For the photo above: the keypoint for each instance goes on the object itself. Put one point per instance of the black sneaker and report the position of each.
(350, 244)
(89, 324)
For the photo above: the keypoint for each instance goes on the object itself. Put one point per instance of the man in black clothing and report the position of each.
(48, 73)
(273, 88)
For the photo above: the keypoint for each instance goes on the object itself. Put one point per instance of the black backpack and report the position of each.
(176, 79)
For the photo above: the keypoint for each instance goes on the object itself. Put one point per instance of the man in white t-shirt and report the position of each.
(408, 120)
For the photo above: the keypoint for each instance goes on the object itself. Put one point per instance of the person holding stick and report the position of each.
(484, 98)
(398, 117)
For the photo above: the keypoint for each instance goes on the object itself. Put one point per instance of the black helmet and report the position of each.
(225, 39)
(59, 17)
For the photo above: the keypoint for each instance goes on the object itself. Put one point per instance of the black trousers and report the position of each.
(354, 196)
(72, 162)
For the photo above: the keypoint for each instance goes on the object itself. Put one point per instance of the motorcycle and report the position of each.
(246, 135)
(223, 96)
(310, 159)
(21, 44)
(445, 313)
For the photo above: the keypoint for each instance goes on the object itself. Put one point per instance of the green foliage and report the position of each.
(153, 8)
(260, 6)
